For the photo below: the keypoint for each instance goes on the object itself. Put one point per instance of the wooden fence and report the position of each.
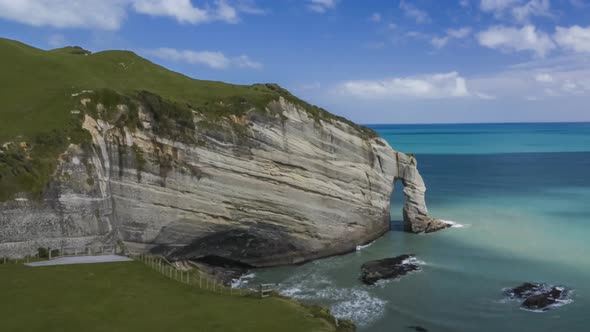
(196, 278)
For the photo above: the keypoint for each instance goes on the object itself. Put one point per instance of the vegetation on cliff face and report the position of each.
(41, 93)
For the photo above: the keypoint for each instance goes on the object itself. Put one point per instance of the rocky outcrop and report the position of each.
(538, 296)
(416, 217)
(388, 268)
(266, 189)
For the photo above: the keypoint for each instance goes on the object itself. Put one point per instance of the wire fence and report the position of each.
(188, 274)
(196, 278)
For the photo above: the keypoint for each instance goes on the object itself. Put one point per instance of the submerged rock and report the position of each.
(537, 296)
(418, 328)
(388, 268)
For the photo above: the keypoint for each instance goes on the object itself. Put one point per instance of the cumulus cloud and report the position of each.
(520, 10)
(433, 86)
(107, 14)
(460, 33)
(110, 14)
(531, 8)
(413, 12)
(574, 38)
(212, 59)
(321, 6)
(511, 39)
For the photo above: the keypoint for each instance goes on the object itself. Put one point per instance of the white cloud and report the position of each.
(182, 10)
(244, 61)
(375, 17)
(574, 38)
(520, 10)
(496, 5)
(531, 8)
(433, 86)
(321, 6)
(459, 33)
(110, 14)
(511, 39)
(106, 14)
(544, 78)
(57, 40)
(439, 42)
(413, 12)
(484, 96)
(212, 59)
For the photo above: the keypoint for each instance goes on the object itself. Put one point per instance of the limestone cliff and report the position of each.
(262, 189)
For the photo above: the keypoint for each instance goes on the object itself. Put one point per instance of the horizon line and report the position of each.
(471, 123)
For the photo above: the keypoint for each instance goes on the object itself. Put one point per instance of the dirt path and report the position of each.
(81, 260)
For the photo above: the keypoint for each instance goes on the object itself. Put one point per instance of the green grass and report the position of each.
(131, 297)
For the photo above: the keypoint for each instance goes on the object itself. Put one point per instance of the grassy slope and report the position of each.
(131, 297)
(37, 85)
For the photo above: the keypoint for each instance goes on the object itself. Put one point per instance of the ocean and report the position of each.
(521, 193)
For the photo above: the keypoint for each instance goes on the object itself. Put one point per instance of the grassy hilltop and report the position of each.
(40, 111)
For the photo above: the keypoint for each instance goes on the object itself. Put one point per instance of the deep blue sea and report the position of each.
(522, 193)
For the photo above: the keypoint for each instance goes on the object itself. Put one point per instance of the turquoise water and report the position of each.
(522, 191)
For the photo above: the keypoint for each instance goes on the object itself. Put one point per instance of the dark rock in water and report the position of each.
(523, 291)
(418, 328)
(537, 296)
(388, 268)
(543, 300)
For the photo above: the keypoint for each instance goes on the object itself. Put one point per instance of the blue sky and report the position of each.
(373, 61)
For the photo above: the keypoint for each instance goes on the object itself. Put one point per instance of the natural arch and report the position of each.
(415, 213)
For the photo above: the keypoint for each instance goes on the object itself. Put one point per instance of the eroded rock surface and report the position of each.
(388, 268)
(263, 190)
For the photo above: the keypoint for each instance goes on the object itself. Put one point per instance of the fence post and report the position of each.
(200, 280)
(49, 252)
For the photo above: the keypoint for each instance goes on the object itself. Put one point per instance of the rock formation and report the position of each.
(260, 189)
(416, 218)
(538, 296)
(388, 268)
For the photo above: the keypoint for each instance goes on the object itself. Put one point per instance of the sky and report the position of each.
(373, 61)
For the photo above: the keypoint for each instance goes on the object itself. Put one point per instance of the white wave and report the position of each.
(454, 224)
(360, 307)
(413, 260)
(349, 303)
(242, 281)
(359, 248)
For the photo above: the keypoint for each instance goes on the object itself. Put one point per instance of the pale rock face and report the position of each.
(285, 190)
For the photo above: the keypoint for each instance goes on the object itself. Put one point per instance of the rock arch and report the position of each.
(415, 213)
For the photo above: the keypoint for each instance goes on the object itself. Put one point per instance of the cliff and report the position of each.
(261, 178)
